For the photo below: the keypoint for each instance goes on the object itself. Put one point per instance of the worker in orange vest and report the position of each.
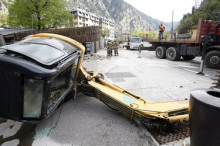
(161, 30)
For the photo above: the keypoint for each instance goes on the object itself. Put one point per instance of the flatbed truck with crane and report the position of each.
(206, 45)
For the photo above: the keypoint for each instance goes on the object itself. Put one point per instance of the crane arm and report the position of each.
(126, 102)
(130, 104)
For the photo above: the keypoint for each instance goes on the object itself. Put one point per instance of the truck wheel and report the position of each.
(188, 57)
(172, 54)
(212, 59)
(161, 52)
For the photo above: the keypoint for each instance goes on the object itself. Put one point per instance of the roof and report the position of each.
(11, 31)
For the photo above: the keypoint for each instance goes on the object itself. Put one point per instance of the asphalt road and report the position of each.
(87, 121)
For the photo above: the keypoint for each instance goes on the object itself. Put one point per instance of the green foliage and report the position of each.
(139, 33)
(45, 14)
(120, 40)
(152, 35)
(3, 19)
(104, 32)
(191, 20)
(165, 35)
(185, 24)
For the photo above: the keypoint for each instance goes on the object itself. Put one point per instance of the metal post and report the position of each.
(202, 60)
(130, 31)
(172, 25)
(32, 21)
(201, 67)
(2, 40)
(205, 41)
(130, 28)
(139, 51)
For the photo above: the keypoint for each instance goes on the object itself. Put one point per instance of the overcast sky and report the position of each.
(162, 9)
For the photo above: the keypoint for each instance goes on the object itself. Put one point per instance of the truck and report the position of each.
(135, 43)
(205, 44)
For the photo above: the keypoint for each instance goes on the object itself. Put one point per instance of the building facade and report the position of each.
(109, 24)
(84, 18)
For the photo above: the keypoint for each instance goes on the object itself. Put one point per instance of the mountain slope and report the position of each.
(3, 6)
(119, 10)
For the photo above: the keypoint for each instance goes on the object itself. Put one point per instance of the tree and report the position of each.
(191, 20)
(104, 32)
(3, 19)
(166, 34)
(45, 14)
(152, 35)
(186, 24)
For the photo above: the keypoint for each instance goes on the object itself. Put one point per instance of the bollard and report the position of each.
(139, 50)
(204, 118)
(2, 40)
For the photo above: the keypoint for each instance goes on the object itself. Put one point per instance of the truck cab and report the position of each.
(135, 43)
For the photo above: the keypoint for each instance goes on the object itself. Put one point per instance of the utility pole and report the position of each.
(32, 21)
(130, 27)
(172, 25)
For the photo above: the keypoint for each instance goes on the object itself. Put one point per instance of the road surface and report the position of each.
(87, 121)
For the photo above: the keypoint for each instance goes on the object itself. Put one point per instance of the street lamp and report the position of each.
(130, 25)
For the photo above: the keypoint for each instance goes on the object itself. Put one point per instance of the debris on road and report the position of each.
(93, 56)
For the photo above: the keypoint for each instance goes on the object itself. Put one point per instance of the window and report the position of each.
(40, 53)
(33, 95)
(136, 40)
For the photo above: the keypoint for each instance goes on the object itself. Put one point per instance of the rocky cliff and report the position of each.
(4, 6)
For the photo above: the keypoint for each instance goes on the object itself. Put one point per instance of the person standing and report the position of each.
(161, 30)
(109, 47)
(115, 47)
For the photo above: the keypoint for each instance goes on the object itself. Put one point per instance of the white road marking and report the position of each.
(180, 67)
(190, 70)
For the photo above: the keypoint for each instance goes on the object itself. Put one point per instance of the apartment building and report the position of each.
(109, 24)
(84, 18)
